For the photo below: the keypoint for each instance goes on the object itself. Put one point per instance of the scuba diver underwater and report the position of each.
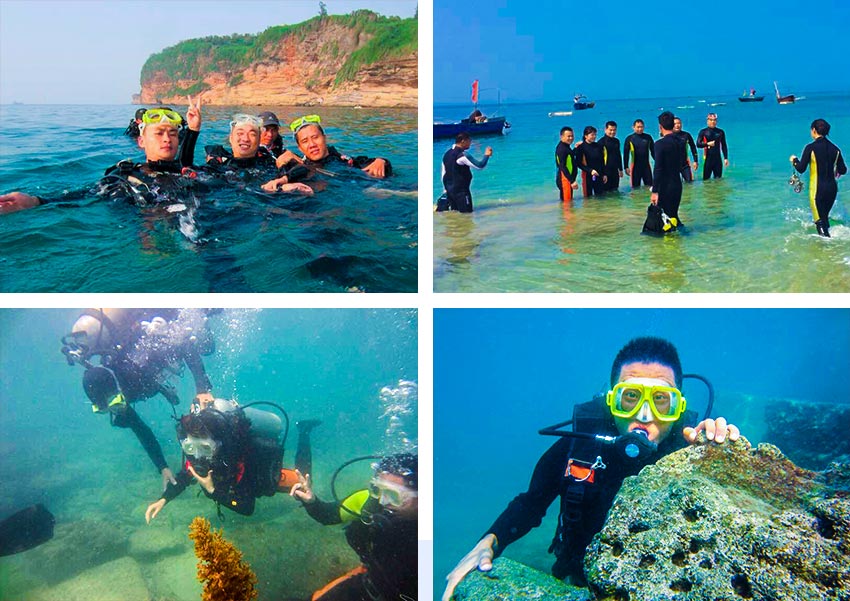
(235, 452)
(643, 416)
(380, 525)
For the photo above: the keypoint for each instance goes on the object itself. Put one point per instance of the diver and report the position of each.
(590, 158)
(457, 175)
(162, 179)
(688, 168)
(380, 526)
(138, 350)
(638, 147)
(566, 171)
(133, 128)
(827, 165)
(271, 142)
(611, 158)
(643, 414)
(236, 455)
(713, 140)
(667, 176)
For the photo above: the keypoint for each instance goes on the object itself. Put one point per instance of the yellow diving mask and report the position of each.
(162, 116)
(303, 121)
(627, 399)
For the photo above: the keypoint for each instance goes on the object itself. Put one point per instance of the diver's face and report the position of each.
(638, 127)
(159, 141)
(677, 125)
(268, 135)
(567, 137)
(590, 138)
(395, 496)
(711, 122)
(312, 142)
(655, 430)
(244, 140)
(611, 131)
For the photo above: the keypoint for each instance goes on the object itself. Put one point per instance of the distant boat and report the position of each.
(490, 127)
(580, 102)
(560, 113)
(750, 98)
(789, 99)
(717, 104)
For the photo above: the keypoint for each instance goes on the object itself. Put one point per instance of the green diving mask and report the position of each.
(199, 447)
(390, 494)
(627, 399)
(162, 116)
(304, 121)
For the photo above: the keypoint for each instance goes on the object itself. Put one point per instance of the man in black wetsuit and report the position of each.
(566, 171)
(138, 350)
(713, 140)
(612, 160)
(311, 140)
(667, 177)
(590, 158)
(644, 409)
(235, 456)
(381, 527)
(638, 147)
(689, 167)
(827, 164)
(457, 175)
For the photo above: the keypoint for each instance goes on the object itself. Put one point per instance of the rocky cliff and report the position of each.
(337, 60)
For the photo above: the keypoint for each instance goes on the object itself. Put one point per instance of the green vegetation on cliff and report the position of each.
(389, 37)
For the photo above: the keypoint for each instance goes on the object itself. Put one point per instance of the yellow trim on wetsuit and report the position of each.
(355, 503)
(605, 156)
(813, 186)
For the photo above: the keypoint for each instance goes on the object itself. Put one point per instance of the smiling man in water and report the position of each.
(644, 415)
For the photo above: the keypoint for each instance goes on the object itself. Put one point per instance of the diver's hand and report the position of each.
(205, 481)
(481, 557)
(726, 162)
(594, 173)
(653, 198)
(488, 152)
(286, 157)
(620, 172)
(715, 429)
(377, 168)
(193, 114)
(574, 185)
(604, 179)
(297, 187)
(303, 489)
(203, 399)
(628, 170)
(695, 166)
(167, 476)
(17, 201)
(792, 158)
(153, 510)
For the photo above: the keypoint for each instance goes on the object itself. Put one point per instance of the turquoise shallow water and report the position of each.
(351, 235)
(356, 370)
(748, 232)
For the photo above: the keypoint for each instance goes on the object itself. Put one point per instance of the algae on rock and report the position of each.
(510, 580)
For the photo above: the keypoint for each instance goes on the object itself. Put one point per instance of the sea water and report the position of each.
(355, 370)
(358, 234)
(747, 232)
(523, 370)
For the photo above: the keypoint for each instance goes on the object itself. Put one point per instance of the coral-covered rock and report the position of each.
(807, 431)
(509, 580)
(724, 522)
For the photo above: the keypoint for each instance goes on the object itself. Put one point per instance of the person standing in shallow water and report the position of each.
(457, 175)
(667, 176)
(590, 158)
(565, 176)
(644, 406)
(612, 161)
(826, 165)
(713, 140)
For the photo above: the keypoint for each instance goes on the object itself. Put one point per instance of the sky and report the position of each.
(92, 52)
(549, 50)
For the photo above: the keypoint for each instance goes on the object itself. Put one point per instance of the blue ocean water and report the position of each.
(748, 232)
(501, 375)
(359, 233)
(356, 370)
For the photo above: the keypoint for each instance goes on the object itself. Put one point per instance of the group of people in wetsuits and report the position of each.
(257, 155)
(235, 452)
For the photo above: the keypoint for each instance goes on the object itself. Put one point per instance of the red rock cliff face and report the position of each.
(298, 71)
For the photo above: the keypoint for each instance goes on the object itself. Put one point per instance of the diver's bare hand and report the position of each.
(628, 170)
(303, 489)
(205, 481)
(204, 399)
(481, 557)
(17, 201)
(167, 476)
(715, 429)
(792, 158)
(653, 198)
(286, 157)
(377, 168)
(488, 152)
(154, 509)
(193, 114)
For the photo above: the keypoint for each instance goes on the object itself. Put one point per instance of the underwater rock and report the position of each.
(151, 543)
(121, 577)
(509, 580)
(808, 433)
(724, 522)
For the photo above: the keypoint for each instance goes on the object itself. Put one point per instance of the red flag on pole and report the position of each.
(475, 91)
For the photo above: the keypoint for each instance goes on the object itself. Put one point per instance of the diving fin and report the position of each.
(26, 529)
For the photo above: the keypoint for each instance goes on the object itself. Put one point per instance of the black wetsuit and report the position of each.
(457, 178)
(584, 506)
(566, 171)
(276, 148)
(613, 162)
(688, 142)
(220, 157)
(712, 162)
(139, 364)
(335, 157)
(590, 156)
(667, 177)
(824, 160)
(638, 148)
(387, 547)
